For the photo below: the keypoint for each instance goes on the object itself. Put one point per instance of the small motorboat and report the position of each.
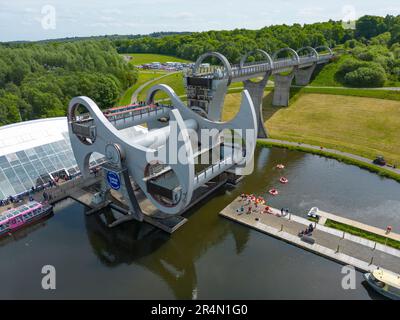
(384, 282)
(313, 213)
(283, 180)
(280, 166)
(273, 192)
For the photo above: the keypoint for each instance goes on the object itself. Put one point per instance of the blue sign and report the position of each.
(113, 180)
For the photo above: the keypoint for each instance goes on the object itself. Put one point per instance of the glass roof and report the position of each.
(21, 170)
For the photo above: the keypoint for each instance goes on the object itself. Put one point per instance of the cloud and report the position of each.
(310, 12)
(184, 15)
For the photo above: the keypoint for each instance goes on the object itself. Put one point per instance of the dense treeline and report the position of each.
(233, 44)
(375, 53)
(38, 80)
(374, 46)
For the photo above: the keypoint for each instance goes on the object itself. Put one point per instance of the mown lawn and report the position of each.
(142, 58)
(175, 81)
(142, 78)
(359, 125)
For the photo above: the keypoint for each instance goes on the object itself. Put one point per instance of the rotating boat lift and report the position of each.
(165, 163)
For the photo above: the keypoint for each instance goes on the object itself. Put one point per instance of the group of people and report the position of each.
(19, 198)
(308, 231)
(253, 204)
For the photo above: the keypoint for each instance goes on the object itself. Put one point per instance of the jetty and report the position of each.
(365, 255)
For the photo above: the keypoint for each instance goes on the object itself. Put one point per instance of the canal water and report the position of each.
(209, 257)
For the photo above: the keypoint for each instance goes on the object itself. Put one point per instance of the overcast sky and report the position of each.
(33, 19)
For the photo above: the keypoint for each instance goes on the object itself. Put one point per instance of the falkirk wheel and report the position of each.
(160, 153)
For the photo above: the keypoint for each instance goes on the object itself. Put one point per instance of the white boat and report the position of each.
(313, 213)
(384, 282)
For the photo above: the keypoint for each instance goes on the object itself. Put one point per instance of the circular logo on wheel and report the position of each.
(113, 180)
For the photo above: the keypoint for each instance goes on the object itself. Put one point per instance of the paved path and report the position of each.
(138, 90)
(333, 151)
(271, 85)
(359, 225)
(349, 88)
(329, 244)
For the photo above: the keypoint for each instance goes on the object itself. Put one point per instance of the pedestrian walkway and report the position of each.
(330, 243)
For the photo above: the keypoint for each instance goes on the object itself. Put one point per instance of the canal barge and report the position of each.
(22, 216)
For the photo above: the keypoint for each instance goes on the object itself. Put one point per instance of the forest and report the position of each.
(37, 80)
(373, 47)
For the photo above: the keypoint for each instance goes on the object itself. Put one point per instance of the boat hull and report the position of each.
(47, 210)
(371, 283)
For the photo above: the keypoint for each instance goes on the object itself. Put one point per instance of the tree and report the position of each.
(366, 77)
(370, 26)
(9, 112)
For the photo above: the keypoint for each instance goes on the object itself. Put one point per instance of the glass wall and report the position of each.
(21, 171)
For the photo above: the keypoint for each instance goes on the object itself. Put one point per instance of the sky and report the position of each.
(49, 19)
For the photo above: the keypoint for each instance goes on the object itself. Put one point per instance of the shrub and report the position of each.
(366, 77)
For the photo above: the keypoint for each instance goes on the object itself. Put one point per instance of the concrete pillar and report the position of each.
(303, 76)
(256, 91)
(282, 89)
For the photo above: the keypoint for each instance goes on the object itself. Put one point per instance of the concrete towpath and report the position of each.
(330, 243)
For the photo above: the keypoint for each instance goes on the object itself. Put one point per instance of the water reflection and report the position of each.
(140, 243)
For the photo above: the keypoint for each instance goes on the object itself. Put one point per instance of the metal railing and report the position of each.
(250, 68)
(139, 113)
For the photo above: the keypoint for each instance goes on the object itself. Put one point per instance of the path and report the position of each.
(328, 242)
(138, 90)
(333, 151)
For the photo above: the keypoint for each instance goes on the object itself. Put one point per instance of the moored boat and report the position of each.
(384, 282)
(313, 213)
(16, 218)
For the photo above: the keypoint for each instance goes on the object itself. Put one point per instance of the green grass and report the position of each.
(143, 58)
(142, 78)
(364, 126)
(362, 233)
(353, 92)
(370, 167)
(326, 74)
(175, 81)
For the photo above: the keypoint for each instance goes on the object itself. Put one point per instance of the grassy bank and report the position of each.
(175, 81)
(364, 126)
(352, 92)
(143, 77)
(143, 58)
(368, 166)
(362, 233)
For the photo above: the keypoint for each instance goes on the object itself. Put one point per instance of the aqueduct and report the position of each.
(207, 86)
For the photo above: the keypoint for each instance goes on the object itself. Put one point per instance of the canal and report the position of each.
(209, 257)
